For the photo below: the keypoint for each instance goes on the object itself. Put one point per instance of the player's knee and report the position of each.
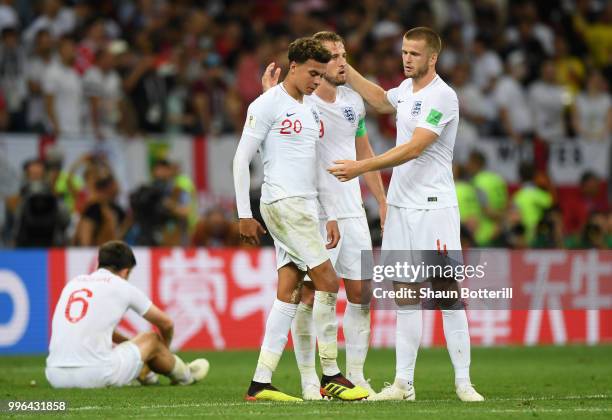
(450, 299)
(307, 296)
(358, 292)
(325, 278)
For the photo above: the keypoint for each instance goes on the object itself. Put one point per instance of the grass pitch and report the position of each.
(537, 382)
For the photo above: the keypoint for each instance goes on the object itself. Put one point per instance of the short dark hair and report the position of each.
(115, 256)
(304, 49)
(328, 36)
(431, 38)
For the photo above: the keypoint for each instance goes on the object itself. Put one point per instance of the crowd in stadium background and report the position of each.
(529, 73)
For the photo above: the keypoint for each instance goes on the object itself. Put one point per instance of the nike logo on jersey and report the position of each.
(288, 114)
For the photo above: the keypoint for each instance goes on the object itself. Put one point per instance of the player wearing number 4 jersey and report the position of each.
(423, 213)
(343, 134)
(81, 352)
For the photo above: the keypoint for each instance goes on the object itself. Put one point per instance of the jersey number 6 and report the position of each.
(287, 124)
(72, 299)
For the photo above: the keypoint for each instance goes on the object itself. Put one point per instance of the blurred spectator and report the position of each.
(590, 198)
(593, 235)
(95, 41)
(38, 63)
(547, 101)
(492, 188)
(39, 217)
(145, 87)
(530, 27)
(65, 185)
(216, 230)
(592, 112)
(475, 111)
(549, 232)
(13, 78)
(569, 68)
(8, 15)
(102, 88)
(514, 233)
(486, 64)
(63, 89)
(55, 18)
(531, 38)
(530, 200)
(161, 209)
(481, 228)
(102, 219)
(597, 34)
(453, 52)
(509, 95)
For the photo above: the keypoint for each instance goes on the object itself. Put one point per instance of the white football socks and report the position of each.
(304, 342)
(457, 338)
(275, 339)
(356, 329)
(326, 326)
(409, 328)
(180, 373)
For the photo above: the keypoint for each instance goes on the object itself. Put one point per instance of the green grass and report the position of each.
(538, 382)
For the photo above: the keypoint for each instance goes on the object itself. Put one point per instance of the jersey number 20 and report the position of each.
(75, 299)
(287, 125)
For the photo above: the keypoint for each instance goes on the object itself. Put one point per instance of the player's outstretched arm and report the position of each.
(373, 179)
(346, 170)
(371, 92)
(270, 76)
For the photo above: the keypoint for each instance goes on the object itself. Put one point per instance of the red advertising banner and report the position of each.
(220, 298)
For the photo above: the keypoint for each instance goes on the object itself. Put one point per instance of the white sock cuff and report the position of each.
(326, 298)
(302, 307)
(288, 309)
(363, 307)
(406, 309)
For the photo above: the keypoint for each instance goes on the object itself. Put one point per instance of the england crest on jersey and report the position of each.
(349, 114)
(315, 114)
(416, 108)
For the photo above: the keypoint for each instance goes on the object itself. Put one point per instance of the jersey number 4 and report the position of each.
(82, 302)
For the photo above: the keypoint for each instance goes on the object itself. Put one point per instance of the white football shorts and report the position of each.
(294, 224)
(126, 364)
(346, 256)
(430, 236)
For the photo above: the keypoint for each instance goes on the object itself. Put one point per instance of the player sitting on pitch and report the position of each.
(81, 353)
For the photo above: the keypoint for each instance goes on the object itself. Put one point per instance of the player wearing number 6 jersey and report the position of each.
(81, 352)
(285, 129)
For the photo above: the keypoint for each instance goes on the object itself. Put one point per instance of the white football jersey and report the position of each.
(427, 181)
(339, 123)
(287, 132)
(89, 309)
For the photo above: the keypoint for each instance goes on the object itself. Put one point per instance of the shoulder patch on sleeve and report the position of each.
(251, 121)
(434, 117)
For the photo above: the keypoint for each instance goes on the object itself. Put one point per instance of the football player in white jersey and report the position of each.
(285, 129)
(344, 135)
(81, 353)
(423, 213)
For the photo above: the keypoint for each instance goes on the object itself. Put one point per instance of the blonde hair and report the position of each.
(432, 39)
